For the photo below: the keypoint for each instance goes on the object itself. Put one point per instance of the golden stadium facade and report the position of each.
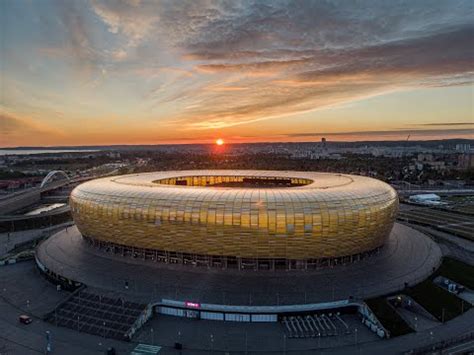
(228, 218)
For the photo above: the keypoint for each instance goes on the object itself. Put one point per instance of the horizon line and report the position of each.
(234, 143)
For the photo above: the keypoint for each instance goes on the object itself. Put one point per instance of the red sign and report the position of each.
(192, 304)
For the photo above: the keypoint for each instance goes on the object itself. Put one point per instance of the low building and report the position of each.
(466, 161)
(426, 199)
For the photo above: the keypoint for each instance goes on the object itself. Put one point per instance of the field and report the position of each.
(388, 316)
(439, 302)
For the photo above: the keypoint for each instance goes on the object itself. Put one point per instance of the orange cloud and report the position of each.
(16, 130)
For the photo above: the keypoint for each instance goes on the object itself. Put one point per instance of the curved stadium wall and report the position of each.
(232, 217)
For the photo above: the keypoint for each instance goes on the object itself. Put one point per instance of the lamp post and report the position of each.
(246, 343)
(48, 342)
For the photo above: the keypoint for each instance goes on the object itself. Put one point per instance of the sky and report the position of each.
(102, 72)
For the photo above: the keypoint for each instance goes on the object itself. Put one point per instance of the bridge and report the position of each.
(50, 176)
(21, 199)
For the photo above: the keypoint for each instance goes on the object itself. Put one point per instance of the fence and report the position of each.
(441, 344)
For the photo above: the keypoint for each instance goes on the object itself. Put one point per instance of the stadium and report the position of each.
(238, 245)
(262, 219)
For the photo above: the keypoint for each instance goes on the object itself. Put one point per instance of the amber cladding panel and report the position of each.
(286, 215)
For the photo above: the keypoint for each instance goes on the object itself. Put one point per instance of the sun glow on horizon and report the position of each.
(220, 141)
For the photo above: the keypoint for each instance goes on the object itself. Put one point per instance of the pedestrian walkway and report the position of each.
(10, 240)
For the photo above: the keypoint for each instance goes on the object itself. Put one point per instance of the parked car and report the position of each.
(25, 319)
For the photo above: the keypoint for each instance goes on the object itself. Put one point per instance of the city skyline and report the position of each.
(139, 72)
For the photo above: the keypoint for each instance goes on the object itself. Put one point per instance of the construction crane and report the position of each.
(406, 146)
(403, 154)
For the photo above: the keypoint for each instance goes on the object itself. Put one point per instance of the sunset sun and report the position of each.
(220, 141)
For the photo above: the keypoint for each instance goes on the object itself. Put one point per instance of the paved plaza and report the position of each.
(408, 257)
(25, 291)
(22, 282)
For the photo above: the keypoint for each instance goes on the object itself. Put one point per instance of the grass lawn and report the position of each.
(433, 298)
(457, 271)
(437, 300)
(388, 317)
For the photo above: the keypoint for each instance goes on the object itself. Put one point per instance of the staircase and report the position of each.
(100, 315)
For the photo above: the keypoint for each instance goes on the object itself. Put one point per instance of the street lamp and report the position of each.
(48, 342)
(246, 343)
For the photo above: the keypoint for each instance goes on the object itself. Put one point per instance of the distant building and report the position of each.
(464, 148)
(426, 199)
(115, 155)
(437, 165)
(425, 157)
(466, 161)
